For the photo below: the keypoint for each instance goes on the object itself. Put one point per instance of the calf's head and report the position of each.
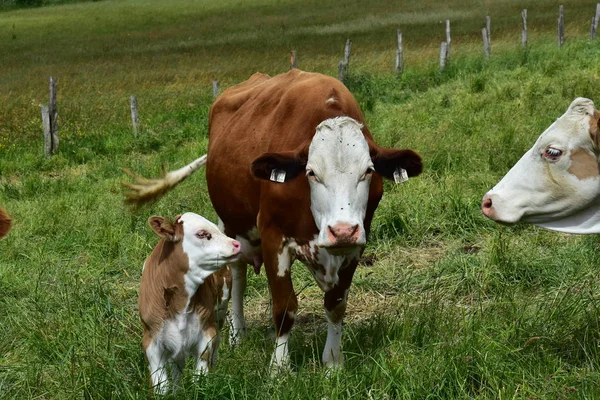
(207, 248)
(556, 184)
(339, 163)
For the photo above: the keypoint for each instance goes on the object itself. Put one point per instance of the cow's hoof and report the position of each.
(235, 336)
(279, 367)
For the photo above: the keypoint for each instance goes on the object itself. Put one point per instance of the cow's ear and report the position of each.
(387, 161)
(281, 167)
(163, 228)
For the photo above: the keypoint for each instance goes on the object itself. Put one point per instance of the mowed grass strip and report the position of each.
(450, 305)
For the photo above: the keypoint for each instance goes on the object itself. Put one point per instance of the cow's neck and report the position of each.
(586, 221)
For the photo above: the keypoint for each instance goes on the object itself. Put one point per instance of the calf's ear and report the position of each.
(163, 228)
(386, 161)
(281, 167)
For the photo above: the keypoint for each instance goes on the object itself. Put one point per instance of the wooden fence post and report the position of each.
(486, 44)
(594, 27)
(524, 31)
(443, 55)
(135, 122)
(561, 26)
(53, 115)
(215, 86)
(293, 60)
(399, 56)
(488, 28)
(47, 134)
(448, 40)
(343, 66)
(347, 51)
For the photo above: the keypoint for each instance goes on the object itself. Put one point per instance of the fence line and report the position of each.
(50, 112)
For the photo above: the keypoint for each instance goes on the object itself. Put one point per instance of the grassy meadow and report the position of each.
(446, 305)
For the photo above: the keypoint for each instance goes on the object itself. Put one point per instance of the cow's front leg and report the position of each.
(335, 308)
(277, 266)
(238, 287)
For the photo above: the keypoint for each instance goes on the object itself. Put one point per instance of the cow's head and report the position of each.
(207, 248)
(339, 163)
(556, 184)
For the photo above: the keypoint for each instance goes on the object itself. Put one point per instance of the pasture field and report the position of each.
(446, 305)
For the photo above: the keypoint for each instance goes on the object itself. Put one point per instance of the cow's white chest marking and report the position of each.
(323, 265)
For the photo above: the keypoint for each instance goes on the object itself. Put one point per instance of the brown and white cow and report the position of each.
(293, 173)
(182, 283)
(5, 223)
(556, 184)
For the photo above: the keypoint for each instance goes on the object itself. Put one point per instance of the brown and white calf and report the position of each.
(179, 290)
(293, 173)
(5, 223)
(556, 184)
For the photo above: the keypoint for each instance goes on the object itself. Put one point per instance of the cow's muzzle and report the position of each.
(342, 238)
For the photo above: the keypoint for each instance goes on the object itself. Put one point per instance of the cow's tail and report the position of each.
(147, 190)
(5, 223)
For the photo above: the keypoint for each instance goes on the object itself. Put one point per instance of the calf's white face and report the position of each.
(205, 245)
(556, 184)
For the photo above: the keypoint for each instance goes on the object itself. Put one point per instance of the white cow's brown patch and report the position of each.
(584, 164)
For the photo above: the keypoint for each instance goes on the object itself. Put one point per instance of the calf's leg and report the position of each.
(157, 360)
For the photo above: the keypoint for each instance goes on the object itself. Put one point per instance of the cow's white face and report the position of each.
(556, 184)
(339, 170)
(339, 163)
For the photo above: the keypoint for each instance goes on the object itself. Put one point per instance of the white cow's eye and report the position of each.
(203, 235)
(552, 154)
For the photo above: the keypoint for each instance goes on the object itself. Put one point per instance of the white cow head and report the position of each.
(339, 163)
(207, 248)
(556, 184)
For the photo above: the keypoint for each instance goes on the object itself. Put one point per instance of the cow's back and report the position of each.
(261, 115)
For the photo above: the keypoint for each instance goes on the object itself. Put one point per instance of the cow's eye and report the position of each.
(203, 235)
(552, 154)
(311, 175)
(367, 173)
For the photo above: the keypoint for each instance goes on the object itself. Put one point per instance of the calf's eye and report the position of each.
(203, 235)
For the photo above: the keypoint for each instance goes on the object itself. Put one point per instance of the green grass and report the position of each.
(453, 306)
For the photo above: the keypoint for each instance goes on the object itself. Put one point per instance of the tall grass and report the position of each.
(452, 306)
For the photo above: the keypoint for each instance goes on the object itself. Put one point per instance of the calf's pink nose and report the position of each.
(237, 246)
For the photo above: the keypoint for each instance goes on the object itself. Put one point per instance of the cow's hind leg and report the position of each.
(238, 287)
(335, 308)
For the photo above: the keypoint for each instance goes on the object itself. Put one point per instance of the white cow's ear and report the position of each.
(165, 229)
(386, 161)
(582, 106)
